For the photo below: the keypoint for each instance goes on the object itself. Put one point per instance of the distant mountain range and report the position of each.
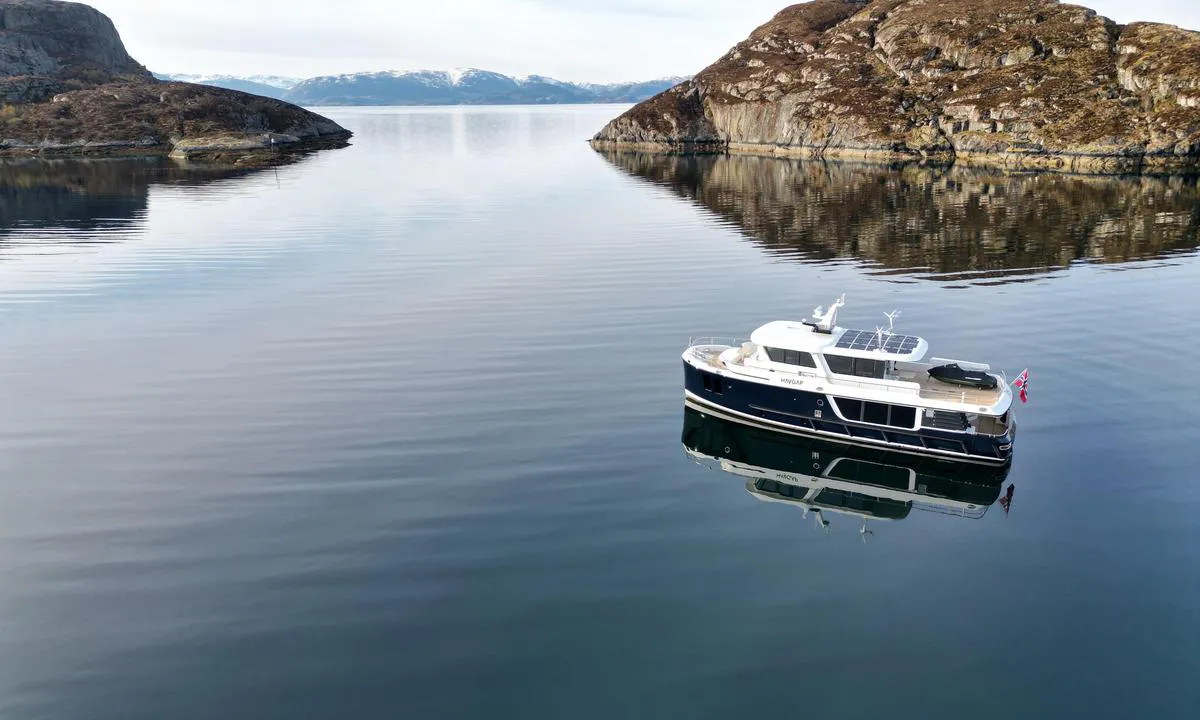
(265, 85)
(467, 86)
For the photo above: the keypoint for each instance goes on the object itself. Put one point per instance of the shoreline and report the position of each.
(1066, 163)
(243, 151)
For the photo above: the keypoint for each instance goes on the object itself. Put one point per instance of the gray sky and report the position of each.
(581, 40)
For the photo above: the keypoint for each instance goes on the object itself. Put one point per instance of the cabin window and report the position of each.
(712, 383)
(850, 409)
(791, 357)
(869, 368)
(856, 367)
(875, 413)
(902, 416)
(840, 364)
(904, 439)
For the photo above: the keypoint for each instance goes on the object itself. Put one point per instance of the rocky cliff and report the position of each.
(68, 86)
(1019, 83)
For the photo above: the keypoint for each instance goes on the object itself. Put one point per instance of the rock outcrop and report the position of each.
(68, 86)
(1018, 83)
(63, 40)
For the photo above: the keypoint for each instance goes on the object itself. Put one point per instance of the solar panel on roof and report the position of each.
(869, 340)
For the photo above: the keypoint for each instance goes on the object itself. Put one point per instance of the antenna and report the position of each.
(826, 320)
(891, 316)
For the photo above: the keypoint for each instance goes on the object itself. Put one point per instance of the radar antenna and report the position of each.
(826, 320)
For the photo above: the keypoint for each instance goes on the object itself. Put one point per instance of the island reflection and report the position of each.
(93, 194)
(940, 223)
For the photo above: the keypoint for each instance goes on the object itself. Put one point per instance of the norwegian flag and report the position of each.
(1022, 384)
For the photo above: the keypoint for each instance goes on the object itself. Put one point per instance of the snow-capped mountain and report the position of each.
(276, 81)
(268, 85)
(463, 86)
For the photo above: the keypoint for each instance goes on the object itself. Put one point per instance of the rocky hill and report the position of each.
(67, 86)
(1018, 83)
(61, 39)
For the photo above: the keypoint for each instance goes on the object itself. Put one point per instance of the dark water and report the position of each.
(396, 432)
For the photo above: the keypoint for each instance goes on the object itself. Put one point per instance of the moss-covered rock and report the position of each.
(1025, 83)
(68, 87)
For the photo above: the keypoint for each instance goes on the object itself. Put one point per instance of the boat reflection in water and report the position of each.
(827, 479)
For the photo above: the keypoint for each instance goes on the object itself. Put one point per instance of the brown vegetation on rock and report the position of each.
(188, 119)
(1022, 83)
(67, 86)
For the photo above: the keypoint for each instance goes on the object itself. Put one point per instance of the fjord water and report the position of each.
(395, 431)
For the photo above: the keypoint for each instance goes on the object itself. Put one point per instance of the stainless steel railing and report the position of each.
(715, 341)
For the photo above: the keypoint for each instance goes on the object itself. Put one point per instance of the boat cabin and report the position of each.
(793, 347)
(867, 364)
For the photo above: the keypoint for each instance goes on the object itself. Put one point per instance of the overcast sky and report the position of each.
(581, 40)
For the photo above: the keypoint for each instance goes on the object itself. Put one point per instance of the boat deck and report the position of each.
(710, 354)
(930, 388)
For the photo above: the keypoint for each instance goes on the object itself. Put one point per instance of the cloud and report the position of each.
(580, 40)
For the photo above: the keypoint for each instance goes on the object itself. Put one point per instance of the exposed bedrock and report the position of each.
(1018, 83)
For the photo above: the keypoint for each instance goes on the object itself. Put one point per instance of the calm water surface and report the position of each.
(395, 432)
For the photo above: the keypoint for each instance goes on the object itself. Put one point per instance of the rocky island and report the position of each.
(68, 87)
(1014, 83)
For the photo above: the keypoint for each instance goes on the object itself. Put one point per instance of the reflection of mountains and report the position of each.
(952, 222)
(839, 479)
(90, 194)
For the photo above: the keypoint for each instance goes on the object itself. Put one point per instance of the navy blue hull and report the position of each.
(809, 413)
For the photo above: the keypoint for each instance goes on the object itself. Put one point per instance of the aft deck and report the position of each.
(932, 389)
